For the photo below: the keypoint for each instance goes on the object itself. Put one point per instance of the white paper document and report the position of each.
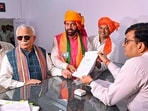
(87, 64)
(6, 105)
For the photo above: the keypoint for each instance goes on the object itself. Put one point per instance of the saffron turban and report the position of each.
(110, 23)
(75, 17)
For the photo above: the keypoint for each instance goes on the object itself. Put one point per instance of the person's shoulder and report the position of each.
(93, 38)
(59, 34)
(135, 60)
(42, 48)
(6, 45)
(113, 44)
(9, 44)
(10, 52)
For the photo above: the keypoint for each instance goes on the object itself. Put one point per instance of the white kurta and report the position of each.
(5, 48)
(97, 46)
(6, 73)
(131, 83)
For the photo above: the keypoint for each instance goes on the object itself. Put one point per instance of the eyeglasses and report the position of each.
(126, 41)
(26, 37)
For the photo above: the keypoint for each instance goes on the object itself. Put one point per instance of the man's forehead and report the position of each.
(24, 30)
(104, 26)
(70, 22)
(130, 34)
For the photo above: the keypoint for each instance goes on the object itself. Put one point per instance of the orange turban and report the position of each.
(75, 17)
(110, 23)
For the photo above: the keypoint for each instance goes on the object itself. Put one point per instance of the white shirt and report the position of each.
(97, 46)
(5, 48)
(6, 73)
(131, 83)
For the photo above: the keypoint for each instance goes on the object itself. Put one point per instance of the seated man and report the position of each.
(27, 63)
(70, 46)
(103, 43)
(131, 80)
(4, 47)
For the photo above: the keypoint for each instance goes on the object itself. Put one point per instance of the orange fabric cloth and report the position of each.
(23, 70)
(112, 25)
(71, 15)
(64, 91)
(108, 46)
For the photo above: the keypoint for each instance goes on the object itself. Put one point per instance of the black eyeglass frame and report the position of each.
(126, 41)
(26, 37)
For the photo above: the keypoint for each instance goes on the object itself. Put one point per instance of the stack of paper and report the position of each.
(87, 64)
(6, 105)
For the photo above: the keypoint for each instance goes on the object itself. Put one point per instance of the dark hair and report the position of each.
(140, 31)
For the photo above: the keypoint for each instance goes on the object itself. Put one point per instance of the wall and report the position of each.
(13, 9)
(47, 17)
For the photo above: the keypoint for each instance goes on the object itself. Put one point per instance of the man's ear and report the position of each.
(34, 37)
(141, 47)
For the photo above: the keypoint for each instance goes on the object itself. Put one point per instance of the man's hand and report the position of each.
(71, 68)
(33, 81)
(98, 64)
(86, 79)
(104, 58)
(66, 74)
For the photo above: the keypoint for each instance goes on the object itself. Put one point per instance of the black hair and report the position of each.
(140, 31)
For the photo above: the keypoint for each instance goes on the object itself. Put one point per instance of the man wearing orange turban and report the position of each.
(70, 46)
(103, 43)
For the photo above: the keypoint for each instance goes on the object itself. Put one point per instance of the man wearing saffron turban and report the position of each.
(103, 43)
(70, 46)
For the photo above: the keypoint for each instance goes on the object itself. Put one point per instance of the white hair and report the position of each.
(27, 27)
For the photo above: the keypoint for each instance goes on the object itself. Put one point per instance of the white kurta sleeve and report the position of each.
(54, 70)
(6, 75)
(55, 56)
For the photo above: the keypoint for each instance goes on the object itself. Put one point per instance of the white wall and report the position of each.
(47, 17)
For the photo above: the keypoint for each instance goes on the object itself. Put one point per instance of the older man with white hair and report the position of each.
(27, 63)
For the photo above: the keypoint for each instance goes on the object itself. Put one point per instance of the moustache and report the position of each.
(69, 29)
(24, 43)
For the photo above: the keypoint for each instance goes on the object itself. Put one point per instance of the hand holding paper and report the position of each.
(87, 64)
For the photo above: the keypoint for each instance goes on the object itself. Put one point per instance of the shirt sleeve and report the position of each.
(6, 75)
(54, 70)
(111, 57)
(121, 88)
(114, 69)
(55, 56)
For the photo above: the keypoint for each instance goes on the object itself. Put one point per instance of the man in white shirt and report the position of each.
(4, 47)
(103, 43)
(131, 80)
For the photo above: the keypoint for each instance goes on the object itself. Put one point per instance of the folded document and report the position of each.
(87, 64)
